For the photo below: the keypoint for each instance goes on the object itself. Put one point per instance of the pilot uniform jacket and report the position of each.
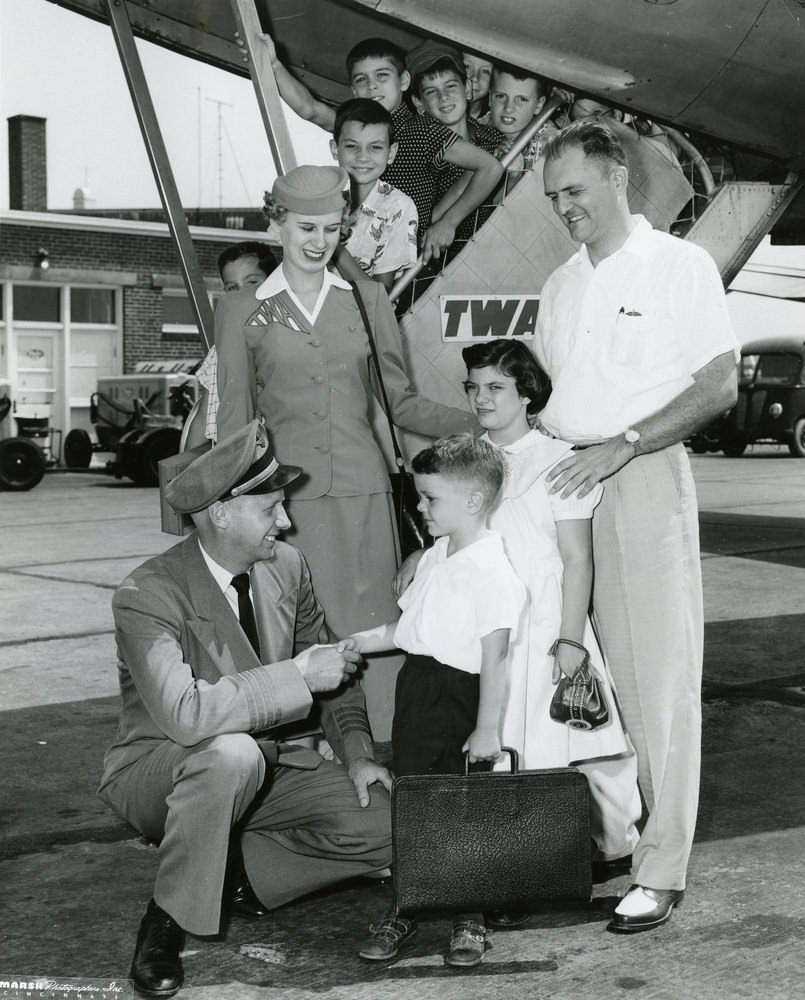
(188, 675)
(312, 384)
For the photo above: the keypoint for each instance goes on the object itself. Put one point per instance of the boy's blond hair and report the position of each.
(464, 457)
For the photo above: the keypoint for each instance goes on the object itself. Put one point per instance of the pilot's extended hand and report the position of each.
(324, 668)
(363, 771)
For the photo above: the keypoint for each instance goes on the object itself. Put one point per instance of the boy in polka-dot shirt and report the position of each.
(378, 71)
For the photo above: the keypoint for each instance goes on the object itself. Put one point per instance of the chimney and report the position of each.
(27, 164)
(83, 199)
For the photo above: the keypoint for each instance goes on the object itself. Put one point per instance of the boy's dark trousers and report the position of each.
(435, 710)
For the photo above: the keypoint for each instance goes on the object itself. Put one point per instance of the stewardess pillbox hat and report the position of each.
(311, 190)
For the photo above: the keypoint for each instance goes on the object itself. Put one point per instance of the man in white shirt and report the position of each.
(634, 333)
(218, 645)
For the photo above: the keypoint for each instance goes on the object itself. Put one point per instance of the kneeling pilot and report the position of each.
(218, 645)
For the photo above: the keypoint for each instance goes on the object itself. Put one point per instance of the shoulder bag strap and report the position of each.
(398, 458)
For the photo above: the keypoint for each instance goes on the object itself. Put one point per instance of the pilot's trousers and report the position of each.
(301, 830)
(647, 603)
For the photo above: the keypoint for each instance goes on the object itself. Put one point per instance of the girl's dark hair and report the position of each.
(266, 260)
(514, 359)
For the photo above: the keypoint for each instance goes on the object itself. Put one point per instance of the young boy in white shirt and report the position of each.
(458, 616)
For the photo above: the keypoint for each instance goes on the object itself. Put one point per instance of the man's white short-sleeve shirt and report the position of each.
(624, 338)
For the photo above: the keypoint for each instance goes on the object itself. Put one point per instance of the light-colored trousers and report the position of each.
(302, 830)
(647, 601)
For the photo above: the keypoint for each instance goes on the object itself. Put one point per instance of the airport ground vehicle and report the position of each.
(139, 418)
(771, 401)
(23, 462)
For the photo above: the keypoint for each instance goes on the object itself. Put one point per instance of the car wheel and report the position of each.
(77, 449)
(698, 445)
(144, 468)
(22, 464)
(797, 443)
(733, 447)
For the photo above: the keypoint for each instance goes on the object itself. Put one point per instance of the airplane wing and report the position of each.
(734, 71)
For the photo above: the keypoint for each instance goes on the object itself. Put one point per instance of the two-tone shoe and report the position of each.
(642, 909)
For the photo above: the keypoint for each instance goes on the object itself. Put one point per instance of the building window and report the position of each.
(177, 313)
(92, 305)
(39, 303)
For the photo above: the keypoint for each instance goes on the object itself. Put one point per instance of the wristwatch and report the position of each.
(632, 437)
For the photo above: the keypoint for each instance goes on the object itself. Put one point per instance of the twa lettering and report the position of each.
(488, 317)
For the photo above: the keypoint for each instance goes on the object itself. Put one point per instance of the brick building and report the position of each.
(84, 296)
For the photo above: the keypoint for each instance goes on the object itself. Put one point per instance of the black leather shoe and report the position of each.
(658, 905)
(156, 969)
(244, 902)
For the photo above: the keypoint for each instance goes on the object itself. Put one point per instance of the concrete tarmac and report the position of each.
(75, 879)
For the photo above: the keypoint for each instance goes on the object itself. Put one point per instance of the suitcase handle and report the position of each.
(514, 759)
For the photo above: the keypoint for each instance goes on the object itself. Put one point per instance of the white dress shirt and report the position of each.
(624, 338)
(224, 580)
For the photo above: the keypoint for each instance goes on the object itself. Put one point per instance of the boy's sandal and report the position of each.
(467, 944)
(387, 938)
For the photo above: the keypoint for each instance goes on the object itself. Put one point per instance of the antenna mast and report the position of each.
(220, 104)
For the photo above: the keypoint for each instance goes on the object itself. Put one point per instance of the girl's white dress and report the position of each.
(526, 518)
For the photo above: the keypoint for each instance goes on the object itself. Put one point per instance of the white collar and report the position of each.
(634, 243)
(277, 282)
(221, 576)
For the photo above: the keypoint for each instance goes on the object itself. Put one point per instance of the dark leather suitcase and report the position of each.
(495, 840)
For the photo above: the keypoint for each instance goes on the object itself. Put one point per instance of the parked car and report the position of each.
(771, 401)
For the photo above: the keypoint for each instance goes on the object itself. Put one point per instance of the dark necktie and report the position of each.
(246, 610)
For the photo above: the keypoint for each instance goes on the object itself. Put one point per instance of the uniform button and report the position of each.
(352, 329)
(318, 378)
(324, 449)
(315, 343)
